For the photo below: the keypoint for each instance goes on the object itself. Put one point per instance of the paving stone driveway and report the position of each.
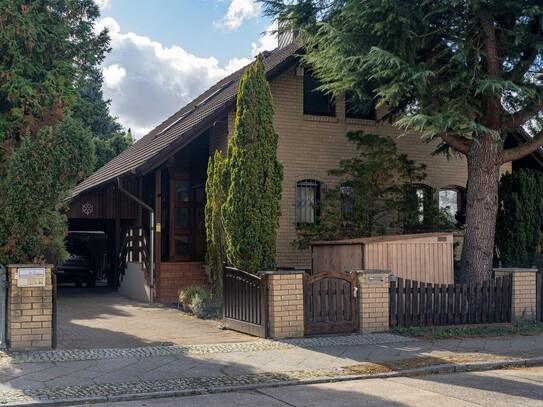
(102, 318)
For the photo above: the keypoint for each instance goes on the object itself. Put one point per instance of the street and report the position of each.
(510, 387)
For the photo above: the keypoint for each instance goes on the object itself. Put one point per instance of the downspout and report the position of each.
(151, 238)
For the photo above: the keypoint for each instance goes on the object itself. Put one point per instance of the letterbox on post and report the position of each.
(29, 307)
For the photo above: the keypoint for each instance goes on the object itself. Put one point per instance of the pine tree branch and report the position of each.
(524, 149)
(459, 144)
(518, 119)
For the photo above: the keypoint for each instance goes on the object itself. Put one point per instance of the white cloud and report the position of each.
(103, 4)
(267, 42)
(148, 82)
(238, 11)
(113, 75)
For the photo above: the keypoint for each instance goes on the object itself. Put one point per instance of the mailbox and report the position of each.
(30, 277)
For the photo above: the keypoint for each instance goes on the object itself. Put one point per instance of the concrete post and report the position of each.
(285, 304)
(30, 307)
(524, 295)
(373, 286)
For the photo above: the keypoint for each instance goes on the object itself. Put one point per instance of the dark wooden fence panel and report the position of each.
(539, 291)
(423, 304)
(245, 302)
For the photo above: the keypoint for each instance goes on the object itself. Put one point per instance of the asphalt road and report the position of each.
(511, 387)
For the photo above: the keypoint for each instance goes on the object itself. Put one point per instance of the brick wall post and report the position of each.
(373, 287)
(285, 304)
(524, 295)
(30, 308)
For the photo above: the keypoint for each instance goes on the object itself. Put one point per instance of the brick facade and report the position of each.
(310, 145)
(286, 304)
(373, 286)
(174, 276)
(524, 294)
(29, 313)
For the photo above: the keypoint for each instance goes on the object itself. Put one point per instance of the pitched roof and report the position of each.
(184, 125)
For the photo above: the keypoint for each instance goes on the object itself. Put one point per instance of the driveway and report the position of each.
(102, 318)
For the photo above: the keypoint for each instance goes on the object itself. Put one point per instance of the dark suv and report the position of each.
(79, 267)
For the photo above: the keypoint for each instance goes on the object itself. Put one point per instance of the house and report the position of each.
(155, 190)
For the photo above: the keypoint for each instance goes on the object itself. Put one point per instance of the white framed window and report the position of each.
(451, 200)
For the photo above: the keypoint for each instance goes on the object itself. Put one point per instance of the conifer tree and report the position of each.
(252, 209)
(215, 197)
(520, 219)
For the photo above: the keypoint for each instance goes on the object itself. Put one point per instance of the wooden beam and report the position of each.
(117, 236)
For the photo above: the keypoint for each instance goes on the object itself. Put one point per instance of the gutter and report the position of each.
(151, 238)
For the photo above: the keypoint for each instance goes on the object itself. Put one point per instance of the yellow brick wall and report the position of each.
(309, 146)
(286, 304)
(524, 295)
(373, 302)
(29, 314)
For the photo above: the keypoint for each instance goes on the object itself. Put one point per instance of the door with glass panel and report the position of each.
(180, 217)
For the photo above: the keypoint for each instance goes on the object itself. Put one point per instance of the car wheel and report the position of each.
(91, 284)
(78, 284)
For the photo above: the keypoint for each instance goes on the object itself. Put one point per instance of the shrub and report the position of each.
(186, 295)
(204, 306)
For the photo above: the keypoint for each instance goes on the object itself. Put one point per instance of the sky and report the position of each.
(167, 52)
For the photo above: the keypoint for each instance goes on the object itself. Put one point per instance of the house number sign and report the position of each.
(30, 277)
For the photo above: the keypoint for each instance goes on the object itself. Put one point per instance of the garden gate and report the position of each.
(245, 302)
(330, 303)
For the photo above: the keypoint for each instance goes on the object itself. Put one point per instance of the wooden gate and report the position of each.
(245, 302)
(330, 303)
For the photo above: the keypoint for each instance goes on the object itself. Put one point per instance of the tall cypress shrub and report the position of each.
(520, 219)
(215, 195)
(252, 209)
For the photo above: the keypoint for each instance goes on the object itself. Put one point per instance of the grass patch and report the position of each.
(469, 331)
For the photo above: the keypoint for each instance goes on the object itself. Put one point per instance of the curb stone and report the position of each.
(24, 398)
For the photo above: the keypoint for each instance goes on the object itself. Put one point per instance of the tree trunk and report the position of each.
(484, 161)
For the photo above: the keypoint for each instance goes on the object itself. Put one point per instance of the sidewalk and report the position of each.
(77, 376)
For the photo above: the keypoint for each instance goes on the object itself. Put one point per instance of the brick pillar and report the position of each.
(285, 304)
(524, 295)
(373, 286)
(29, 307)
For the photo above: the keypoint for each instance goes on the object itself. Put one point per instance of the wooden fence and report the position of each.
(539, 295)
(245, 302)
(417, 303)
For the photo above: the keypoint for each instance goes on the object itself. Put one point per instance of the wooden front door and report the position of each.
(331, 304)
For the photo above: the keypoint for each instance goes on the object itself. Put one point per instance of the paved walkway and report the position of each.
(102, 318)
(77, 376)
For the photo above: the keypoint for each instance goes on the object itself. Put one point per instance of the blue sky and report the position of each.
(167, 52)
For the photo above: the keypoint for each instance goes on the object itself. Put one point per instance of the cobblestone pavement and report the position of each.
(79, 376)
(97, 354)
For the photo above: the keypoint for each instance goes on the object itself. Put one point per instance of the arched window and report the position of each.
(308, 201)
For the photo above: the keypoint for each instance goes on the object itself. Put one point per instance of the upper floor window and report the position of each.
(451, 200)
(308, 201)
(357, 109)
(316, 102)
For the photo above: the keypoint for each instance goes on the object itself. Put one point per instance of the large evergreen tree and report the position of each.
(47, 50)
(41, 172)
(252, 209)
(468, 72)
